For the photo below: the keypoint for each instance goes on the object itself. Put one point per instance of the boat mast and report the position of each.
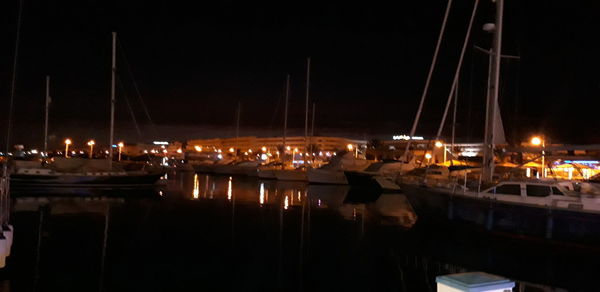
(46, 115)
(112, 99)
(237, 128)
(285, 116)
(306, 109)
(487, 170)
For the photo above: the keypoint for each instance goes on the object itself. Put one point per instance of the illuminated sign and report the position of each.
(582, 161)
(406, 137)
(160, 143)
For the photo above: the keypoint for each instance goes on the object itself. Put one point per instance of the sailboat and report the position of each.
(555, 210)
(77, 172)
(297, 174)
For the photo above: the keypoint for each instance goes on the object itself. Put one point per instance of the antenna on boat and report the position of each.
(487, 169)
(112, 99)
(46, 115)
(306, 109)
(285, 116)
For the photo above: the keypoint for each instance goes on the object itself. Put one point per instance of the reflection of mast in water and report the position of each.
(38, 254)
(206, 186)
(280, 255)
(104, 241)
(231, 197)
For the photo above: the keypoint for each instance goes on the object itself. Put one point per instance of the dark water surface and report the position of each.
(224, 234)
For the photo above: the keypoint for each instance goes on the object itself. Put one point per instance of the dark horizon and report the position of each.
(192, 64)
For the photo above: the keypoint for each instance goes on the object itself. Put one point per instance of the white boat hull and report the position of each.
(322, 176)
(290, 174)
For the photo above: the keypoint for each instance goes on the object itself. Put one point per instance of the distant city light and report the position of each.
(439, 144)
(198, 148)
(160, 143)
(536, 141)
(406, 137)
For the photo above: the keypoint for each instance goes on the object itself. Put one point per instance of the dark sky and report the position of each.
(194, 60)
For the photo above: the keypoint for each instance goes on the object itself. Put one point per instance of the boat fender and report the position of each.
(8, 234)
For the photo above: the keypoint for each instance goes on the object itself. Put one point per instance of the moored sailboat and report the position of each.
(76, 172)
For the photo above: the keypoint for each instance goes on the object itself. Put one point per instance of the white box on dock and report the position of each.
(473, 282)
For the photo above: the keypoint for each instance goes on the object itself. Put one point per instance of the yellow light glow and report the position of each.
(121, 144)
(196, 191)
(296, 149)
(439, 144)
(198, 148)
(350, 147)
(536, 141)
(68, 141)
(91, 142)
(229, 189)
(289, 148)
(428, 155)
(264, 149)
(262, 193)
(249, 150)
(231, 150)
(179, 150)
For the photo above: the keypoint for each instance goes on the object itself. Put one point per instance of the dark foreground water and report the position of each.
(241, 234)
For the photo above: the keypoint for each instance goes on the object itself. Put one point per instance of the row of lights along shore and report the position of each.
(90, 143)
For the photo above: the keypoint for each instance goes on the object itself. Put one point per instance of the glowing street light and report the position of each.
(428, 156)
(351, 147)
(537, 141)
(67, 143)
(439, 144)
(264, 149)
(91, 143)
(231, 150)
(198, 148)
(120, 149)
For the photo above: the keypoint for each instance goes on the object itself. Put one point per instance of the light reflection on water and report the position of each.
(196, 191)
(387, 209)
(330, 237)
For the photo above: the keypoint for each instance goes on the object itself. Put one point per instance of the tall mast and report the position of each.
(306, 108)
(312, 123)
(285, 116)
(237, 127)
(112, 99)
(492, 98)
(46, 114)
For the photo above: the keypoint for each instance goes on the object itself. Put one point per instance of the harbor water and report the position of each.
(228, 233)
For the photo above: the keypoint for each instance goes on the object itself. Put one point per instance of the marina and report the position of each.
(233, 150)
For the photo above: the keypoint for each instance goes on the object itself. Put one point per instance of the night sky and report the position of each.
(194, 60)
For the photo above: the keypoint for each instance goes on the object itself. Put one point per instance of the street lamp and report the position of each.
(67, 143)
(537, 141)
(91, 143)
(428, 156)
(120, 149)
